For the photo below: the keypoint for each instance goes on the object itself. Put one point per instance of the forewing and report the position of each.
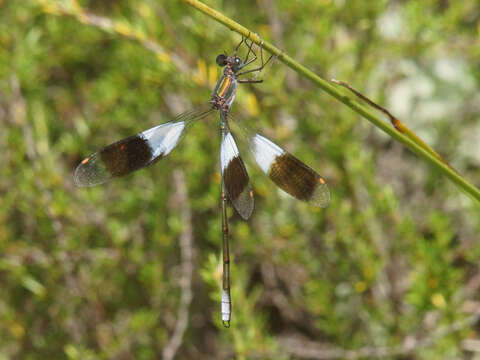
(288, 173)
(135, 152)
(235, 177)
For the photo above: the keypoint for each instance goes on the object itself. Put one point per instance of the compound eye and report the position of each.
(221, 60)
(238, 61)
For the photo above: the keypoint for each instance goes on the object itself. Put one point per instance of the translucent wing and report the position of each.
(235, 177)
(286, 171)
(137, 151)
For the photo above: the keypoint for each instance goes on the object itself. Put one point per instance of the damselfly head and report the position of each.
(234, 61)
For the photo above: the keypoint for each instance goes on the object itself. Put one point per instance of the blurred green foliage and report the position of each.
(93, 273)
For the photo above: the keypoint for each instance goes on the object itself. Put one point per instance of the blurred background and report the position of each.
(132, 269)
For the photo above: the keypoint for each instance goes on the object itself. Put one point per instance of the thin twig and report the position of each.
(186, 249)
(119, 28)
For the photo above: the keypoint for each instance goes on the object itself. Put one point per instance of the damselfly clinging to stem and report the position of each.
(149, 146)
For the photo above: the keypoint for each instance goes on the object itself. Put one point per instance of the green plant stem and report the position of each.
(458, 180)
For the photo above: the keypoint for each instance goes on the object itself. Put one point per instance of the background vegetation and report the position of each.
(389, 269)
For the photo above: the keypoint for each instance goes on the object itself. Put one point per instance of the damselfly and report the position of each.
(149, 146)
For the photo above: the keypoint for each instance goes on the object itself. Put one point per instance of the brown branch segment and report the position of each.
(397, 124)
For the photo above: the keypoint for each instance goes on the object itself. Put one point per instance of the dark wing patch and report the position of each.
(126, 155)
(294, 177)
(238, 187)
(235, 179)
(117, 159)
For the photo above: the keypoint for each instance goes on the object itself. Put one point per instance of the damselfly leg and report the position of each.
(263, 63)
